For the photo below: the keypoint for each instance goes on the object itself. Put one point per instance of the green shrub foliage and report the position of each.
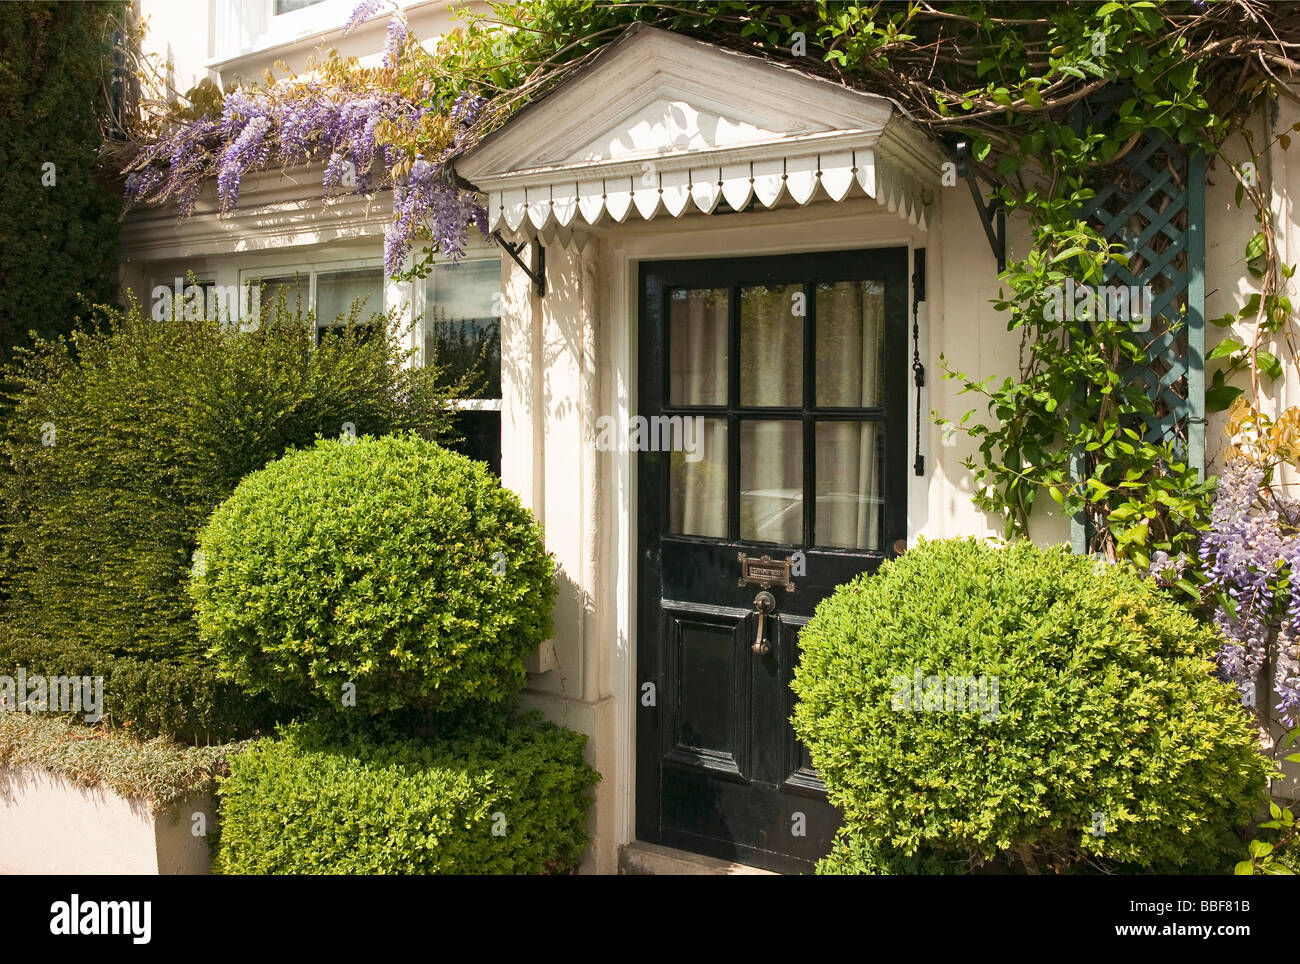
(185, 703)
(59, 225)
(125, 439)
(1106, 741)
(158, 773)
(319, 802)
(389, 564)
(853, 854)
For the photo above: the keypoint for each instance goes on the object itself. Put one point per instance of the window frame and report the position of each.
(413, 303)
(459, 404)
(311, 270)
(201, 281)
(287, 13)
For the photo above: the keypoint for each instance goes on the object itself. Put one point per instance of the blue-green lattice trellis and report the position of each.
(1152, 201)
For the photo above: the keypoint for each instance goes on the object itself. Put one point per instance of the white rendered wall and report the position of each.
(51, 825)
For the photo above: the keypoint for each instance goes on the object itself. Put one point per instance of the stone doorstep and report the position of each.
(651, 859)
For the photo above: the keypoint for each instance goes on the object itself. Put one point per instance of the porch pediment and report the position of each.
(663, 124)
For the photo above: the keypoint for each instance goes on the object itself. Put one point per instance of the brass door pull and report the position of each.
(764, 603)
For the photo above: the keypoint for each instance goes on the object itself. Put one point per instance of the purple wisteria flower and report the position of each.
(396, 38)
(427, 200)
(361, 13)
(249, 150)
(1249, 556)
(310, 121)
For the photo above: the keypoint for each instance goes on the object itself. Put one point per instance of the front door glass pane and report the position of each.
(698, 327)
(771, 481)
(850, 484)
(850, 330)
(697, 498)
(771, 345)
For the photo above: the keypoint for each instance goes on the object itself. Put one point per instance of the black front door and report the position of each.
(771, 423)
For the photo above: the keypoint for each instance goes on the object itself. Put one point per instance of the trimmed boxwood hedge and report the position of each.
(322, 800)
(390, 570)
(1106, 705)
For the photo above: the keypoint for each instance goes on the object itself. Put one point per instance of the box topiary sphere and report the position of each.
(973, 706)
(379, 573)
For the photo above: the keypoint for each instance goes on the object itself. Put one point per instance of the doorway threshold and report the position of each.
(651, 859)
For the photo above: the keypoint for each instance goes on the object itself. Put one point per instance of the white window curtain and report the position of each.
(698, 346)
(849, 374)
(771, 450)
(850, 329)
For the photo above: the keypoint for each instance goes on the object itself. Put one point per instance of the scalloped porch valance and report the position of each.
(661, 124)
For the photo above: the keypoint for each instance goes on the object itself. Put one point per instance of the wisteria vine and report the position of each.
(293, 124)
(1248, 557)
(1248, 560)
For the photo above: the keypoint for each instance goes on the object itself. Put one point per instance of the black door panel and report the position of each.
(740, 345)
(707, 689)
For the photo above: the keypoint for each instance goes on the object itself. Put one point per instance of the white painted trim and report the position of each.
(476, 404)
(310, 30)
(277, 210)
(623, 554)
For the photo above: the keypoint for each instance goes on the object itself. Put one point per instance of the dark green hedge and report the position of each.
(124, 439)
(58, 243)
(185, 702)
(320, 801)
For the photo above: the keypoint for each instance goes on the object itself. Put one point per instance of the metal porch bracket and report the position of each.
(991, 213)
(538, 275)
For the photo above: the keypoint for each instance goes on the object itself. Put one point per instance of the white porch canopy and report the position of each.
(660, 124)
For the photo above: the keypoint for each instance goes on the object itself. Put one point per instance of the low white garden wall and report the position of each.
(51, 825)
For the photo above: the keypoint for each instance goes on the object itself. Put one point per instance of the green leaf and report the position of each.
(1008, 164)
(1151, 21)
(1219, 397)
(1268, 364)
(1226, 347)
